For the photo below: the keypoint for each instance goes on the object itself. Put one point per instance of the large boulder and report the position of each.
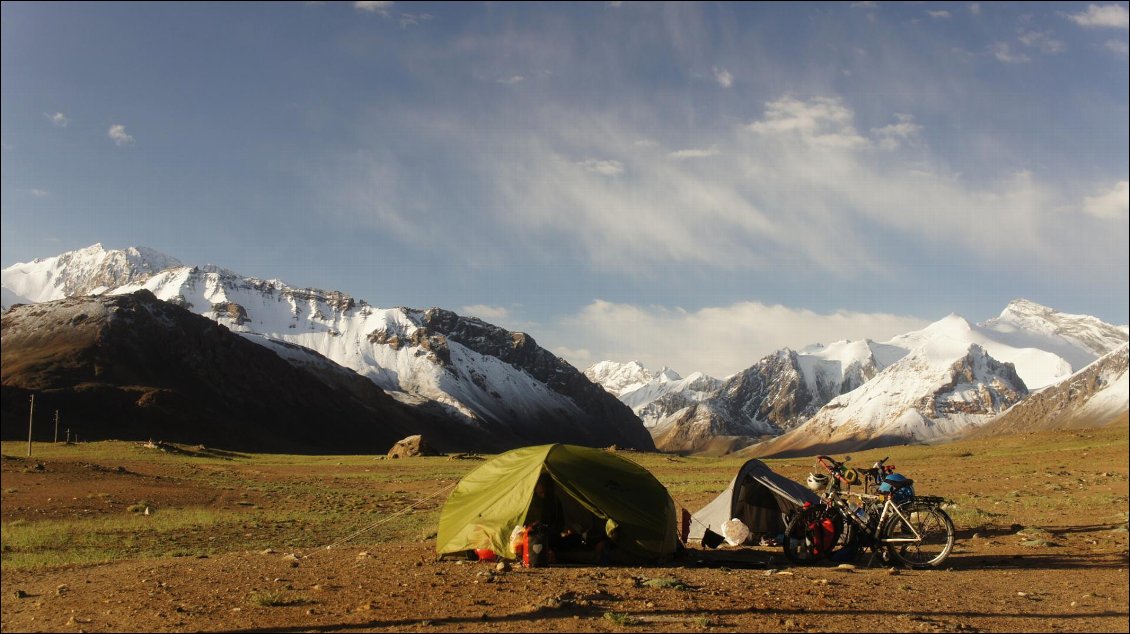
(411, 446)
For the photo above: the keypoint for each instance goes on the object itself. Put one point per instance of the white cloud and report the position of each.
(1042, 41)
(1005, 54)
(801, 189)
(866, 4)
(485, 312)
(694, 153)
(975, 8)
(512, 79)
(939, 15)
(723, 77)
(1114, 204)
(1112, 16)
(719, 340)
(40, 193)
(57, 119)
(607, 167)
(822, 121)
(370, 6)
(580, 358)
(413, 19)
(1118, 47)
(117, 132)
(892, 136)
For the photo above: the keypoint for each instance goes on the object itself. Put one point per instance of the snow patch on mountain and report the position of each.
(618, 378)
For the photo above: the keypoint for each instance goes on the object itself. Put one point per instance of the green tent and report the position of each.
(492, 500)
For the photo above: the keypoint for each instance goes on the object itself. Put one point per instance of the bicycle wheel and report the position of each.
(807, 536)
(934, 528)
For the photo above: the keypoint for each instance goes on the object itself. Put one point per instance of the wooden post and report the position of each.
(56, 427)
(30, 417)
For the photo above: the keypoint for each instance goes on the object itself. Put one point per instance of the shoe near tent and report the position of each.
(489, 502)
(758, 497)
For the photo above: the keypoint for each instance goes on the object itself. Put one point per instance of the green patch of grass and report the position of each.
(61, 542)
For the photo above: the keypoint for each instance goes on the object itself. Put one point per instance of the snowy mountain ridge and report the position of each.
(787, 390)
(416, 355)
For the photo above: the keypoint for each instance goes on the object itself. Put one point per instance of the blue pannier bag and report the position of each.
(900, 487)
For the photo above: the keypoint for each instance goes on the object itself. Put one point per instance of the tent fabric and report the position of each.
(489, 502)
(758, 497)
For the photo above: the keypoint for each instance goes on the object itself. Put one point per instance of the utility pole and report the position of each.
(30, 417)
(56, 427)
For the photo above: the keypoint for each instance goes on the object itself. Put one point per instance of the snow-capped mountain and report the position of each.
(133, 367)
(1096, 395)
(938, 391)
(787, 388)
(652, 396)
(490, 377)
(89, 271)
(774, 395)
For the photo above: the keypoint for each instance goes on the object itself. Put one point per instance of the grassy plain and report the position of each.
(115, 536)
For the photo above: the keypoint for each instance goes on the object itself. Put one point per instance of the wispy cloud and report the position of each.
(373, 6)
(939, 15)
(865, 4)
(1118, 47)
(511, 79)
(117, 133)
(1114, 204)
(414, 19)
(801, 169)
(605, 167)
(694, 153)
(1042, 41)
(822, 121)
(892, 136)
(57, 119)
(39, 193)
(723, 77)
(975, 8)
(727, 339)
(1110, 16)
(1004, 53)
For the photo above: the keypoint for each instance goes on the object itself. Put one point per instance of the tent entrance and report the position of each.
(757, 508)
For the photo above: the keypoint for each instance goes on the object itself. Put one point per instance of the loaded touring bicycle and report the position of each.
(898, 526)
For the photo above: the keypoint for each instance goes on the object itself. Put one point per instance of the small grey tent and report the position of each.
(758, 497)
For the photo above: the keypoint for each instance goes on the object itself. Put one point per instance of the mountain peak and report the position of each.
(1021, 306)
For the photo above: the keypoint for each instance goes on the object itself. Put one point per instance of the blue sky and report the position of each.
(689, 184)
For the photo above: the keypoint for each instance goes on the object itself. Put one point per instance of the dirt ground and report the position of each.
(1042, 546)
